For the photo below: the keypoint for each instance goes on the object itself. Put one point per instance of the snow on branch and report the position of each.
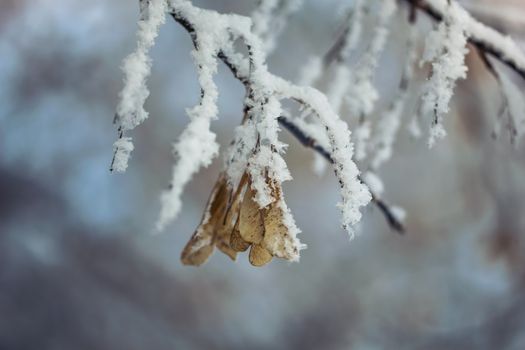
(269, 20)
(485, 38)
(343, 78)
(362, 94)
(445, 49)
(310, 137)
(354, 193)
(256, 150)
(386, 129)
(352, 87)
(247, 208)
(136, 67)
(350, 35)
(196, 146)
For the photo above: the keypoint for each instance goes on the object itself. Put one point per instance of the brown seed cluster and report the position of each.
(233, 222)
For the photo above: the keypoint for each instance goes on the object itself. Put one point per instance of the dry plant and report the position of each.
(247, 208)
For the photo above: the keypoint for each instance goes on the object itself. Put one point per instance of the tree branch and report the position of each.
(287, 124)
(310, 142)
(484, 38)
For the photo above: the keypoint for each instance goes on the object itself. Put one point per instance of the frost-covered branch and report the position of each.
(136, 67)
(381, 145)
(445, 49)
(309, 141)
(315, 100)
(485, 38)
(247, 208)
(352, 87)
(256, 150)
(269, 20)
(349, 37)
(362, 95)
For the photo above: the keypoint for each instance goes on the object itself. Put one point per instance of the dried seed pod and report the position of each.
(277, 239)
(196, 256)
(236, 242)
(223, 232)
(259, 256)
(275, 231)
(199, 248)
(234, 221)
(251, 226)
(227, 226)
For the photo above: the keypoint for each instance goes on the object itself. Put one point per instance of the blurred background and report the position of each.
(79, 268)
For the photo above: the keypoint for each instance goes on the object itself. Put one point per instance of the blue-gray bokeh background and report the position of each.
(79, 269)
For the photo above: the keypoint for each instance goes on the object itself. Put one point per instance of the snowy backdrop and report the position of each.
(80, 269)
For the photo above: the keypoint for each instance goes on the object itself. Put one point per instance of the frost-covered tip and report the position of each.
(262, 16)
(445, 49)
(355, 29)
(386, 131)
(137, 67)
(354, 194)
(197, 145)
(122, 149)
(269, 19)
(373, 182)
(389, 123)
(399, 213)
(362, 135)
(339, 86)
(362, 93)
(311, 71)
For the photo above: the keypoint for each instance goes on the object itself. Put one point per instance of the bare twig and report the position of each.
(334, 52)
